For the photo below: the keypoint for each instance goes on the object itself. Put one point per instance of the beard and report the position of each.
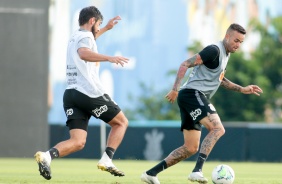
(93, 31)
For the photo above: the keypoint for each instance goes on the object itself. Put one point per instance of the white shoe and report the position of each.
(106, 164)
(43, 162)
(198, 177)
(149, 179)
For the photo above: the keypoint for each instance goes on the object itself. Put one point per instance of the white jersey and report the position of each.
(82, 75)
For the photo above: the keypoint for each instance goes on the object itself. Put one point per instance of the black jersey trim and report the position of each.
(210, 56)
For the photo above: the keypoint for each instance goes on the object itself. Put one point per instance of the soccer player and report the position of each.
(209, 66)
(85, 96)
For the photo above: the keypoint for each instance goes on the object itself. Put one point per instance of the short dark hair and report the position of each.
(88, 13)
(236, 27)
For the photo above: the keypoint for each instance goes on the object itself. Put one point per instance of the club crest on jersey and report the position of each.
(69, 112)
(99, 111)
(221, 76)
(194, 114)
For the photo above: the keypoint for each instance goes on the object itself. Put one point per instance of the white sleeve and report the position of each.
(85, 42)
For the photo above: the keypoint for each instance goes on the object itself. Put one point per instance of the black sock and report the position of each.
(200, 162)
(110, 152)
(158, 168)
(54, 153)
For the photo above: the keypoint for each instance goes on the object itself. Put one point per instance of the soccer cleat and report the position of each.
(109, 167)
(149, 179)
(198, 177)
(44, 164)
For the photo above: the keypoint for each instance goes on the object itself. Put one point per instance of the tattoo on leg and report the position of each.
(177, 155)
(212, 137)
(213, 119)
(209, 142)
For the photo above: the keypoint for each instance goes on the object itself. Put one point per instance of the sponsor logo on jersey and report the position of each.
(194, 114)
(69, 112)
(221, 76)
(101, 110)
(70, 74)
(71, 67)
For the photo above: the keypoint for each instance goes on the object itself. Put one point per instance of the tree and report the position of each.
(269, 56)
(152, 105)
(234, 106)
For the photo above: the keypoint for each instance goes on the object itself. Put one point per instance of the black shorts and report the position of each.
(80, 107)
(193, 106)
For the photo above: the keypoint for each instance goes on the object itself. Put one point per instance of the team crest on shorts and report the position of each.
(69, 112)
(212, 107)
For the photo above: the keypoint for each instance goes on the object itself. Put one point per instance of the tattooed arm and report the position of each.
(250, 89)
(230, 85)
(191, 62)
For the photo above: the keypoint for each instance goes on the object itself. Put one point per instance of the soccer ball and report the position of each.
(223, 174)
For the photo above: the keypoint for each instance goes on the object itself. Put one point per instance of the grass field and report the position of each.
(25, 171)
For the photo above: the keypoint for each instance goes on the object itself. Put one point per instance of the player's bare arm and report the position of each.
(88, 55)
(112, 22)
(191, 62)
(250, 89)
(177, 155)
(230, 85)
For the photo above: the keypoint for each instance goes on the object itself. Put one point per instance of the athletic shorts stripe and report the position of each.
(199, 98)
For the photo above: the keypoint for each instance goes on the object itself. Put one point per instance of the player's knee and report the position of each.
(123, 123)
(192, 149)
(126, 123)
(221, 131)
(79, 145)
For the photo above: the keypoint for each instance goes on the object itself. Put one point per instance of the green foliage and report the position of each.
(195, 47)
(269, 57)
(234, 106)
(152, 105)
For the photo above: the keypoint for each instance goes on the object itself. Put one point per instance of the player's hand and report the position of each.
(171, 96)
(112, 22)
(252, 89)
(118, 60)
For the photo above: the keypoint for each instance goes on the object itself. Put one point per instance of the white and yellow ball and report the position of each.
(223, 174)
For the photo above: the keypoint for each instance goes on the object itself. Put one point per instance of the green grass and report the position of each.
(25, 171)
